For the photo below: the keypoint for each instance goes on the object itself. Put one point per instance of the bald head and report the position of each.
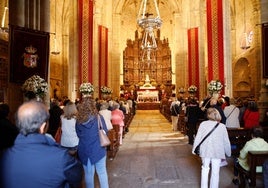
(30, 117)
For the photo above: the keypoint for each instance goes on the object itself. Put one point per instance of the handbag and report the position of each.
(197, 148)
(104, 140)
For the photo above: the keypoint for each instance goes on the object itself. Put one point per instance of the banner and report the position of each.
(215, 40)
(85, 39)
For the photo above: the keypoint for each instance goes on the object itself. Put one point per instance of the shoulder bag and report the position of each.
(104, 140)
(197, 148)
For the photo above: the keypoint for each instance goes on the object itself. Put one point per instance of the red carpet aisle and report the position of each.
(152, 156)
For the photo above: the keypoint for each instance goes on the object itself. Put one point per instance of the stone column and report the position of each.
(16, 13)
(44, 15)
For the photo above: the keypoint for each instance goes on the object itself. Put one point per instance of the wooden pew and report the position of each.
(238, 138)
(255, 158)
(114, 137)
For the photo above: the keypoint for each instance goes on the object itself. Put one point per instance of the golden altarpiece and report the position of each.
(148, 71)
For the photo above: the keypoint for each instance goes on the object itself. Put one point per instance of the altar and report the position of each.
(147, 96)
(147, 92)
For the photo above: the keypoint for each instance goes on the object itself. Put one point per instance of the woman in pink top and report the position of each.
(118, 118)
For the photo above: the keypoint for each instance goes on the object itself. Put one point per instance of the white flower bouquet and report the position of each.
(214, 86)
(86, 88)
(192, 89)
(106, 90)
(36, 85)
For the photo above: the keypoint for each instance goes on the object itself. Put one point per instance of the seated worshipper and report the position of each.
(69, 138)
(257, 143)
(8, 131)
(175, 112)
(35, 160)
(107, 114)
(118, 118)
(232, 114)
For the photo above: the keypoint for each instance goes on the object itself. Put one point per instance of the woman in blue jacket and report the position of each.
(90, 152)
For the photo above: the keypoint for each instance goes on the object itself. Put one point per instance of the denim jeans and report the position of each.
(215, 172)
(89, 170)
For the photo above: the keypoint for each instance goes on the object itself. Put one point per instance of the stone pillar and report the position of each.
(95, 68)
(44, 15)
(228, 76)
(16, 13)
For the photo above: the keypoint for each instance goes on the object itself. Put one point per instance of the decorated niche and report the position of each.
(136, 66)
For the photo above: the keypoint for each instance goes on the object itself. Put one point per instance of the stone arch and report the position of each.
(242, 78)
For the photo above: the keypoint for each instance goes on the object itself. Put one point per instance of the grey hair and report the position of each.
(213, 114)
(31, 121)
(116, 105)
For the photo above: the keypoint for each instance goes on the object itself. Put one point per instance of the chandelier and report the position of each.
(148, 23)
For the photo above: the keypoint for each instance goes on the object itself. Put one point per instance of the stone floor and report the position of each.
(152, 156)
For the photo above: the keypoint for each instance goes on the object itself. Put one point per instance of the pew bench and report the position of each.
(255, 158)
(238, 138)
(114, 137)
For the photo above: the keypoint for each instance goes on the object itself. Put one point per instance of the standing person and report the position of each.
(55, 112)
(175, 112)
(251, 116)
(8, 131)
(107, 114)
(214, 104)
(90, 152)
(232, 114)
(35, 160)
(213, 149)
(118, 118)
(69, 137)
(192, 114)
(257, 143)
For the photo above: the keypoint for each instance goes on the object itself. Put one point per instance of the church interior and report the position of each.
(146, 49)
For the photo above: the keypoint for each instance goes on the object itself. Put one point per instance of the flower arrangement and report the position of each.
(214, 86)
(192, 89)
(36, 85)
(106, 90)
(86, 88)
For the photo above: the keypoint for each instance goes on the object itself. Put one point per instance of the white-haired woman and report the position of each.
(214, 148)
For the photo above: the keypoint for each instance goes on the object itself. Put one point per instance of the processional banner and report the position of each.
(215, 40)
(85, 40)
(193, 57)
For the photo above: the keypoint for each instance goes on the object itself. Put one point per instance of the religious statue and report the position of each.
(147, 79)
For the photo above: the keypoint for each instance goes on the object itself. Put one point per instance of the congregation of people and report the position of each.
(32, 143)
(60, 144)
(200, 117)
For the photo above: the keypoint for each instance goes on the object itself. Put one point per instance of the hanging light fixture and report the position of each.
(56, 51)
(149, 24)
